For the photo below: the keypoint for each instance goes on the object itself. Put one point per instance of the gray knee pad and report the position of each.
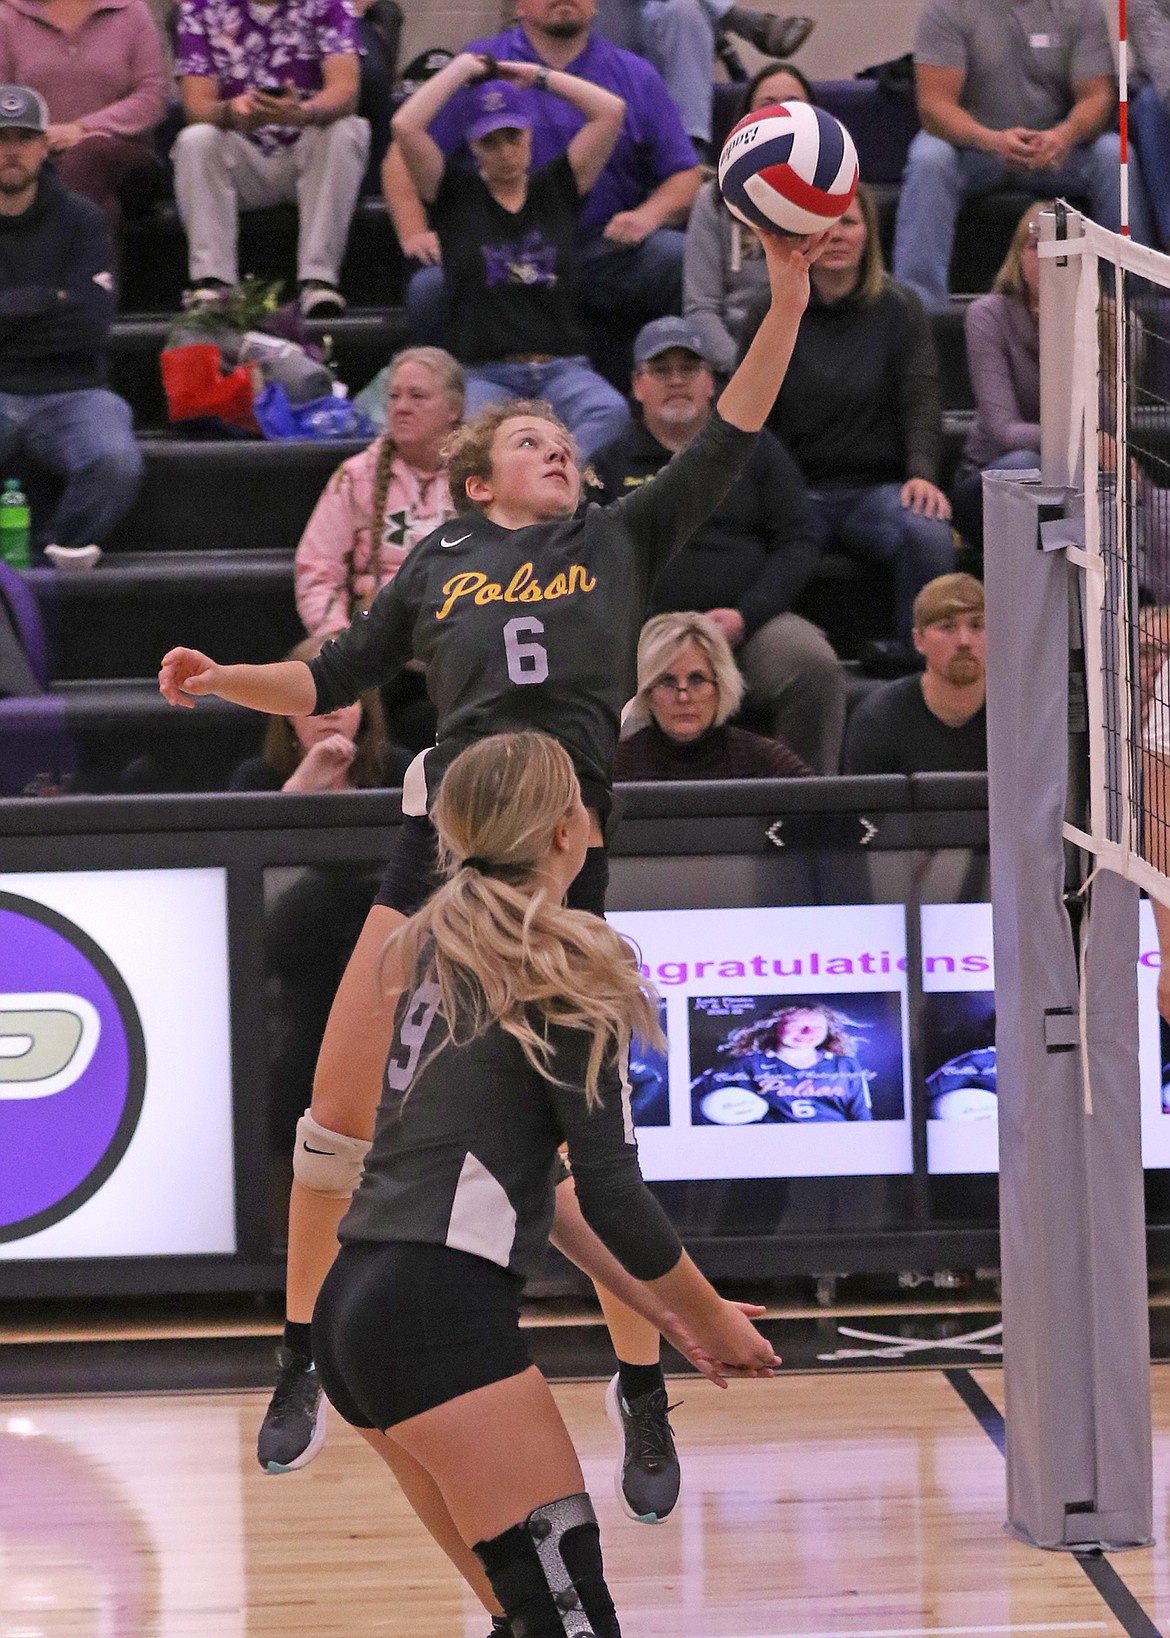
(328, 1162)
(547, 1573)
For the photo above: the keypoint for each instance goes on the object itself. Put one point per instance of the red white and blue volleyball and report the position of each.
(788, 168)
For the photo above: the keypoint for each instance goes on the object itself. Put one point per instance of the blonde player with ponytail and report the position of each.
(515, 1016)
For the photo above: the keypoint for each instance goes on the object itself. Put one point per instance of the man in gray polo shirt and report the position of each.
(1010, 93)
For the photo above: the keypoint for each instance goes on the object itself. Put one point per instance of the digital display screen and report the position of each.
(958, 979)
(116, 1133)
(958, 1039)
(787, 1046)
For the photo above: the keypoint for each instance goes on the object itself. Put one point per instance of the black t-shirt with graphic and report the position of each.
(509, 274)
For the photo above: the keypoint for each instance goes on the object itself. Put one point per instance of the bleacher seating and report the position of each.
(205, 557)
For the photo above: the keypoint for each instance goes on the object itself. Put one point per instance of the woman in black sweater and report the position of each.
(860, 413)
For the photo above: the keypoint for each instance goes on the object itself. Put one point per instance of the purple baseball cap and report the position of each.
(497, 105)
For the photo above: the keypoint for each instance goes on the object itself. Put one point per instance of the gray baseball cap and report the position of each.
(23, 109)
(661, 334)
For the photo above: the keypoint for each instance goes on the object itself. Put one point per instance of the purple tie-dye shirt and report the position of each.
(245, 47)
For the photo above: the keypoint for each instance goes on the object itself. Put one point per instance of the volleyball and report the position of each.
(788, 168)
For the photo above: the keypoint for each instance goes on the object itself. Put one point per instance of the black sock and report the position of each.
(298, 1338)
(635, 1381)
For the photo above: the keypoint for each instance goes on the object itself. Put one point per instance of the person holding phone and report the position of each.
(270, 96)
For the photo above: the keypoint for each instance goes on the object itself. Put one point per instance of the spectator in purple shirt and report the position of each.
(98, 64)
(1003, 361)
(269, 92)
(630, 240)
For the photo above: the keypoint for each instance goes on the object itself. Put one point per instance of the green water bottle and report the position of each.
(14, 525)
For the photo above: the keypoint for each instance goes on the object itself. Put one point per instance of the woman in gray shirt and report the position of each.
(1003, 360)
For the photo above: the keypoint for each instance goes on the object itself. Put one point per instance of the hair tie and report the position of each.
(474, 862)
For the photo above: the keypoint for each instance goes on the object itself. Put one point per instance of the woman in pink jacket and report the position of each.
(343, 560)
(99, 66)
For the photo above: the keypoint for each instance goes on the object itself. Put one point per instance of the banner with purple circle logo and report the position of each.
(72, 1067)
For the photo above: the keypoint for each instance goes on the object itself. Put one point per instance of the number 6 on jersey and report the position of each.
(527, 662)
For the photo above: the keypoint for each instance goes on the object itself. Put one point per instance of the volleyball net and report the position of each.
(1105, 329)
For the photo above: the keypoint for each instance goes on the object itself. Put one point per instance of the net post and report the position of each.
(1060, 282)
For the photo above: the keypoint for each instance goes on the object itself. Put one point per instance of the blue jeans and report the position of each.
(626, 284)
(870, 521)
(591, 409)
(88, 439)
(939, 177)
(1151, 135)
(678, 37)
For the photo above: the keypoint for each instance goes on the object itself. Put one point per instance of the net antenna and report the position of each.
(1123, 110)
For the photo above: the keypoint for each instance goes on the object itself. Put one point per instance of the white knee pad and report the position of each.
(327, 1162)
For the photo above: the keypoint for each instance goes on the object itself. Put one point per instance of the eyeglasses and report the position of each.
(682, 366)
(697, 686)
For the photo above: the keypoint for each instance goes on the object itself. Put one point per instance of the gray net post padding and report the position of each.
(1072, 1217)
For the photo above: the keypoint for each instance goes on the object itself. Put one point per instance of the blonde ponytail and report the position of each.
(500, 950)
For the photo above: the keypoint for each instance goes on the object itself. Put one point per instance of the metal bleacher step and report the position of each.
(226, 494)
(128, 738)
(118, 620)
(154, 266)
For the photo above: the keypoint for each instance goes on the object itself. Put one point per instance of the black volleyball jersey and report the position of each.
(465, 1143)
(533, 628)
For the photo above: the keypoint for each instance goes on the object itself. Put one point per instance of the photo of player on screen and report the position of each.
(959, 1055)
(795, 1059)
(650, 1080)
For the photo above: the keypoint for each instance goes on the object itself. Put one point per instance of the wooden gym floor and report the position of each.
(864, 1505)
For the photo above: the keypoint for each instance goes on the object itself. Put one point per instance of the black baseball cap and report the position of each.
(23, 109)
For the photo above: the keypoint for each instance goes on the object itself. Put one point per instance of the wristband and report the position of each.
(541, 81)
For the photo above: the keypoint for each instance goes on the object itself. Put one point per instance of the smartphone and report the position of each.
(274, 90)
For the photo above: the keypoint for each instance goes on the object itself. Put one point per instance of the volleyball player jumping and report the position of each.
(525, 610)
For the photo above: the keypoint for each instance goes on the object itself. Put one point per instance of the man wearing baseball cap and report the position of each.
(57, 301)
(746, 566)
(936, 722)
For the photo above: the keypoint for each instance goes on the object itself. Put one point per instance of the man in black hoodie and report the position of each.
(748, 563)
(57, 299)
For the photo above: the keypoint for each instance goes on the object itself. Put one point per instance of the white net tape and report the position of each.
(1120, 441)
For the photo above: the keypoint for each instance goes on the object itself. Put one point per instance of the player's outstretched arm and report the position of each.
(748, 397)
(285, 689)
(575, 1240)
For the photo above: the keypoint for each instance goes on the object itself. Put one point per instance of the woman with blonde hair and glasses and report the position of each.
(516, 1014)
(1003, 362)
(676, 727)
(525, 611)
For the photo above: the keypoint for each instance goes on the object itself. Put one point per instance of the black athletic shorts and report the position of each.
(412, 874)
(401, 1327)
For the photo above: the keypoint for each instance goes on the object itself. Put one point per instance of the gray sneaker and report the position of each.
(647, 1478)
(293, 1429)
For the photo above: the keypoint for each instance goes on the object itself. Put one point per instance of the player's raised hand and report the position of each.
(184, 673)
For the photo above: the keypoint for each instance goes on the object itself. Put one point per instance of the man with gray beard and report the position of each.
(935, 722)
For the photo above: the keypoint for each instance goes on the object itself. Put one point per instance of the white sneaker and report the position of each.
(74, 557)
